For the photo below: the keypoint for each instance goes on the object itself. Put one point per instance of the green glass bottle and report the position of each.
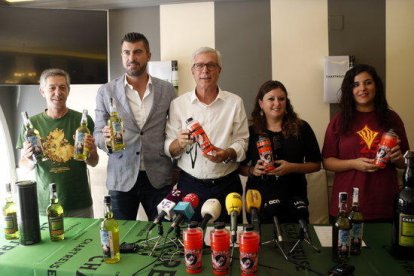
(110, 235)
(402, 243)
(357, 221)
(9, 215)
(341, 239)
(117, 128)
(55, 216)
(80, 151)
(32, 136)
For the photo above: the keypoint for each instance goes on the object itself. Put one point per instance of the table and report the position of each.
(80, 254)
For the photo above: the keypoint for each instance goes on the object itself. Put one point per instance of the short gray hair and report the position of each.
(203, 50)
(51, 73)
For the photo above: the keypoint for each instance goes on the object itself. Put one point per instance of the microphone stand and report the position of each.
(160, 237)
(277, 238)
(177, 235)
(302, 238)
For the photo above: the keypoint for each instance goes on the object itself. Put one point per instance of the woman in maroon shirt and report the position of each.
(351, 142)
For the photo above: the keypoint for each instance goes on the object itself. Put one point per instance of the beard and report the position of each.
(137, 72)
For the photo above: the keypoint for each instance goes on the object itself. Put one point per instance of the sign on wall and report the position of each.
(335, 69)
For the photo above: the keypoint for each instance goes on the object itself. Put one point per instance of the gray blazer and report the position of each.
(123, 166)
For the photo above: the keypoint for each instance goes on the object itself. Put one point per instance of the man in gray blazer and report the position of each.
(142, 172)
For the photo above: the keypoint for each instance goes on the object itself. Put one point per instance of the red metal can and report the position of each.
(200, 136)
(264, 146)
(388, 141)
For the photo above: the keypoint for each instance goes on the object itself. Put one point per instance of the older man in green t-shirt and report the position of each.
(57, 126)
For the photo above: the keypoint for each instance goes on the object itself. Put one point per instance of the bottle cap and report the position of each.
(189, 120)
(107, 199)
(174, 64)
(343, 196)
(52, 187)
(409, 154)
(248, 227)
(219, 225)
(193, 224)
(8, 188)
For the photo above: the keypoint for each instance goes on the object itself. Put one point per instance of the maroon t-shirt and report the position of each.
(378, 189)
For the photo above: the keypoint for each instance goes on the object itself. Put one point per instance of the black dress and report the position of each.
(288, 187)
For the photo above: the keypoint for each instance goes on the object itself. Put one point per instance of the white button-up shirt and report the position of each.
(140, 107)
(225, 123)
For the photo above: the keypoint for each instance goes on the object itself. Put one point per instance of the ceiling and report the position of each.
(96, 4)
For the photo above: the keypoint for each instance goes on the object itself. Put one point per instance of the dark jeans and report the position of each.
(205, 189)
(125, 204)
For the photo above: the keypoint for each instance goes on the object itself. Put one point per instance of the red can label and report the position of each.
(248, 262)
(200, 137)
(264, 146)
(220, 260)
(193, 259)
(388, 141)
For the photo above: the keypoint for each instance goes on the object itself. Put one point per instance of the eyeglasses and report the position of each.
(209, 66)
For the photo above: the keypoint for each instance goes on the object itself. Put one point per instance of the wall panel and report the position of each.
(299, 44)
(142, 20)
(245, 43)
(400, 58)
(185, 28)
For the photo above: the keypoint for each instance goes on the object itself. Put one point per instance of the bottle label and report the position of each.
(193, 259)
(174, 78)
(56, 226)
(356, 237)
(357, 230)
(36, 144)
(406, 235)
(388, 141)
(248, 262)
(264, 147)
(118, 136)
(79, 142)
(10, 224)
(220, 260)
(343, 243)
(107, 243)
(200, 137)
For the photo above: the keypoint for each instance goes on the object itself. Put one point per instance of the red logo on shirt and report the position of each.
(368, 136)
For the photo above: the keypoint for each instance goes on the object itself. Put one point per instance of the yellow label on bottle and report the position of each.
(406, 235)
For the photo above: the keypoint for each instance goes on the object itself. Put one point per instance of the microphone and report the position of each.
(184, 209)
(233, 207)
(300, 210)
(272, 208)
(210, 211)
(253, 204)
(166, 206)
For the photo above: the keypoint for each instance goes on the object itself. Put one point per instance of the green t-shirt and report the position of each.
(70, 176)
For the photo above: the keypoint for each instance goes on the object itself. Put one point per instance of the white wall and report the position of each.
(299, 44)
(185, 28)
(399, 61)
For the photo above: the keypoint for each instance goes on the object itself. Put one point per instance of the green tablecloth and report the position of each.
(80, 254)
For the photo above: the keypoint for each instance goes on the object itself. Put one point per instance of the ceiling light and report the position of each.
(15, 1)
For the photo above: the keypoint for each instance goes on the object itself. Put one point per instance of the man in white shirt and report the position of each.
(142, 172)
(222, 116)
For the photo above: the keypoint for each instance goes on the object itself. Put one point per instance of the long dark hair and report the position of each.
(290, 122)
(347, 101)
